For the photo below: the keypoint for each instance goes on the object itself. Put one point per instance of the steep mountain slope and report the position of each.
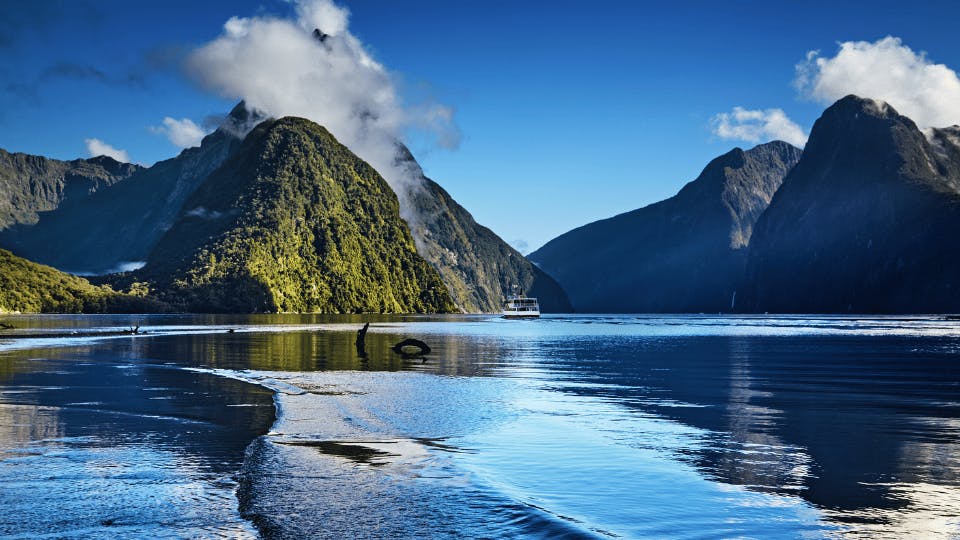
(477, 266)
(293, 221)
(866, 222)
(121, 224)
(32, 184)
(683, 254)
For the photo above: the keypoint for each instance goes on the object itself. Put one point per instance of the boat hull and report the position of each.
(522, 315)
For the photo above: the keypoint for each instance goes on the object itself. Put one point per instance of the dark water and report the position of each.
(643, 427)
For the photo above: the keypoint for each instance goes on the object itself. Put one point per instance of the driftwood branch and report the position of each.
(422, 348)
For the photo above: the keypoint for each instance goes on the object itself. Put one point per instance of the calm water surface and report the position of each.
(564, 427)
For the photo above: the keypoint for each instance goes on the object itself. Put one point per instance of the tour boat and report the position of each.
(520, 307)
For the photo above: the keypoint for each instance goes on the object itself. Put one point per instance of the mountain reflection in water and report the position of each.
(846, 426)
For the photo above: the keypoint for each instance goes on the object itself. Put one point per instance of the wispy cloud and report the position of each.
(71, 70)
(758, 125)
(888, 70)
(183, 133)
(521, 245)
(96, 147)
(29, 89)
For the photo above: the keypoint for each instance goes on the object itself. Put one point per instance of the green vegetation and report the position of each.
(293, 222)
(28, 287)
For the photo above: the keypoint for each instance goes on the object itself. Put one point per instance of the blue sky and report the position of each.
(568, 111)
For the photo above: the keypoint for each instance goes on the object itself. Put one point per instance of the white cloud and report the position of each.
(888, 70)
(183, 133)
(277, 66)
(96, 147)
(760, 125)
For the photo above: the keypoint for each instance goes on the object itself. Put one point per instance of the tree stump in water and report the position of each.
(361, 341)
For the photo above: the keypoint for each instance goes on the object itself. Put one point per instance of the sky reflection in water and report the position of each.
(632, 426)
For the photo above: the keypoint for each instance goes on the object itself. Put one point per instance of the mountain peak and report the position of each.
(772, 146)
(241, 120)
(690, 245)
(852, 103)
(860, 222)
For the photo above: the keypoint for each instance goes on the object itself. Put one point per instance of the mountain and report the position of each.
(479, 269)
(116, 228)
(684, 254)
(33, 184)
(866, 222)
(28, 287)
(292, 221)
(120, 224)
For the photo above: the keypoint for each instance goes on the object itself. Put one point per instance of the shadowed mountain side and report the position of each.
(479, 269)
(33, 184)
(294, 222)
(121, 224)
(683, 254)
(866, 222)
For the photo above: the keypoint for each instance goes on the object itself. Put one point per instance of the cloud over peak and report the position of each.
(758, 125)
(888, 70)
(96, 147)
(280, 67)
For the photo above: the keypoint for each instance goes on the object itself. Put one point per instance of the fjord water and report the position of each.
(581, 426)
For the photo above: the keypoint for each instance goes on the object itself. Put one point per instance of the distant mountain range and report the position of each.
(120, 225)
(864, 221)
(685, 254)
(287, 221)
(30, 185)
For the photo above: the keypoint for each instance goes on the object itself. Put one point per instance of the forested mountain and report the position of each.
(29, 287)
(293, 221)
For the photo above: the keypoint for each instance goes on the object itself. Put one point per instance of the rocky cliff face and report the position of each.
(30, 185)
(478, 267)
(684, 254)
(865, 222)
(293, 221)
